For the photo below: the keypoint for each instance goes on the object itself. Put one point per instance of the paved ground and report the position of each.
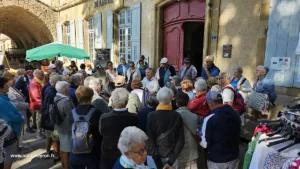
(31, 145)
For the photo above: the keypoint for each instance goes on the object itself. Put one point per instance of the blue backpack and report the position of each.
(82, 138)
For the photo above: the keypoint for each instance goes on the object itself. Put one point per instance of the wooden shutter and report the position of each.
(59, 33)
(80, 34)
(109, 32)
(97, 28)
(135, 31)
(72, 33)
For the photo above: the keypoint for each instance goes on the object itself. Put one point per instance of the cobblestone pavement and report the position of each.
(31, 153)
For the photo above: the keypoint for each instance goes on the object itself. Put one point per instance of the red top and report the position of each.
(199, 106)
(35, 94)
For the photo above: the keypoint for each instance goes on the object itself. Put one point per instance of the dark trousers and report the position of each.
(76, 166)
(2, 165)
(107, 163)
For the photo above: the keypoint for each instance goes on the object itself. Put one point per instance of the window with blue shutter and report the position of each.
(109, 32)
(80, 32)
(135, 31)
(98, 33)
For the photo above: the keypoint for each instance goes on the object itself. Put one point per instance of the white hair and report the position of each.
(210, 57)
(238, 69)
(37, 72)
(129, 136)
(67, 72)
(153, 86)
(165, 95)
(87, 80)
(57, 62)
(263, 68)
(201, 85)
(95, 83)
(75, 78)
(119, 97)
(224, 75)
(61, 86)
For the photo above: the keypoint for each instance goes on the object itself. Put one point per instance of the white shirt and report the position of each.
(227, 94)
(136, 74)
(145, 81)
(124, 70)
(138, 92)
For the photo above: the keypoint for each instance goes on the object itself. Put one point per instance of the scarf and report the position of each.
(164, 107)
(41, 82)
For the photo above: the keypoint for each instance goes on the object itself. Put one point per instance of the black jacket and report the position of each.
(160, 122)
(111, 125)
(48, 95)
(221, 131)
(22, 85)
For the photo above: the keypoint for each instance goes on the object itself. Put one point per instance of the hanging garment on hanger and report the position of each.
(275, 160)
(262, 150)
(250, 151)
(262, 128)
(295, 164)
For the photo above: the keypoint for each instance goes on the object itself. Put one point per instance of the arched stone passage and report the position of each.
(27, 22)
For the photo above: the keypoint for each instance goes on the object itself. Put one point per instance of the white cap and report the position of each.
(164, 60)
(51, 66)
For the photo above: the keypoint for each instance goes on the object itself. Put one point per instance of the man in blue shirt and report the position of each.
(209, 69)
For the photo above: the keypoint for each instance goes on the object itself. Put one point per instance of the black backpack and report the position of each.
(54, 114)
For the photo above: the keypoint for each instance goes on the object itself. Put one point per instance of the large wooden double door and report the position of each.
(174, 17)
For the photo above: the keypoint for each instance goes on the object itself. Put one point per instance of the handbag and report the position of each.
(10, 139)
(259, 102)
(196, 137)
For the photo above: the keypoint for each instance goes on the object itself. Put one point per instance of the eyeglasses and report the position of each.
(141, 152)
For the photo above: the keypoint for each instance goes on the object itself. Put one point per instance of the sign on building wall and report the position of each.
(227, 49)
(102, 2)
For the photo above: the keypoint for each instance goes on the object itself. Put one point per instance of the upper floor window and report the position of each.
(68, 34)
(91, 39)
(124, 34)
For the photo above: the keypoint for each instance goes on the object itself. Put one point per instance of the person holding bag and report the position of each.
(188, 157)
(132, 74)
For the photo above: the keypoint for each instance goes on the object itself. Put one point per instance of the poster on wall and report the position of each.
(280, 63)
(279, 76)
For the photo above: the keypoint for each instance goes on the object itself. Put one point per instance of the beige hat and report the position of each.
(119, 81)
(164, 60)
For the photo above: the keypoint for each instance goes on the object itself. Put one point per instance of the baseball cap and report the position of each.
(119, 81)
(213, 95)
(187, 60)
(177, 79)
(51, 66)
(98, 66)
(164, 60)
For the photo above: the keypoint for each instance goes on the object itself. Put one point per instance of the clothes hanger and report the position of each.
(296, 141)
(287, 138)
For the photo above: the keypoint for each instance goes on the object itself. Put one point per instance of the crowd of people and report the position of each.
(131, 116)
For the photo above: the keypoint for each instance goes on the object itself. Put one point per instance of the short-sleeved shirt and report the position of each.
(227, 94)
(214, 71)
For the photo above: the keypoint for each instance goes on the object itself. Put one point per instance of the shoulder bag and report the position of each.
(196, 138)
(165, 134)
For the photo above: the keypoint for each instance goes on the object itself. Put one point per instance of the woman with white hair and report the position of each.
(240, 83)
(165, 131)
(112, 124)
(264, 85)
(132, 144)
(98, 102)
(65, 106)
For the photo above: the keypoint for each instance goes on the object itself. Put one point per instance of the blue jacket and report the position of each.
(143, 114)
(220, 134)
(266, 86)
(214, 70)
(72, 94)
(10, 114)
(120, 69)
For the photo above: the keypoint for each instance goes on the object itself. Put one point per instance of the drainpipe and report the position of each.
(207, 28)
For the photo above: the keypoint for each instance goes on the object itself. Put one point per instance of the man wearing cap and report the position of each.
(188, 71)
(209, 68)
(164, 72)
(176, 80)
(220, 133)
(100, 74)
(52, 70)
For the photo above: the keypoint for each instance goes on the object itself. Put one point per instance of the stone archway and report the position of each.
(28, 23)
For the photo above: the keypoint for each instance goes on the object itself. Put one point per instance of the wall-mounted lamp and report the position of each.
(297, 52)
